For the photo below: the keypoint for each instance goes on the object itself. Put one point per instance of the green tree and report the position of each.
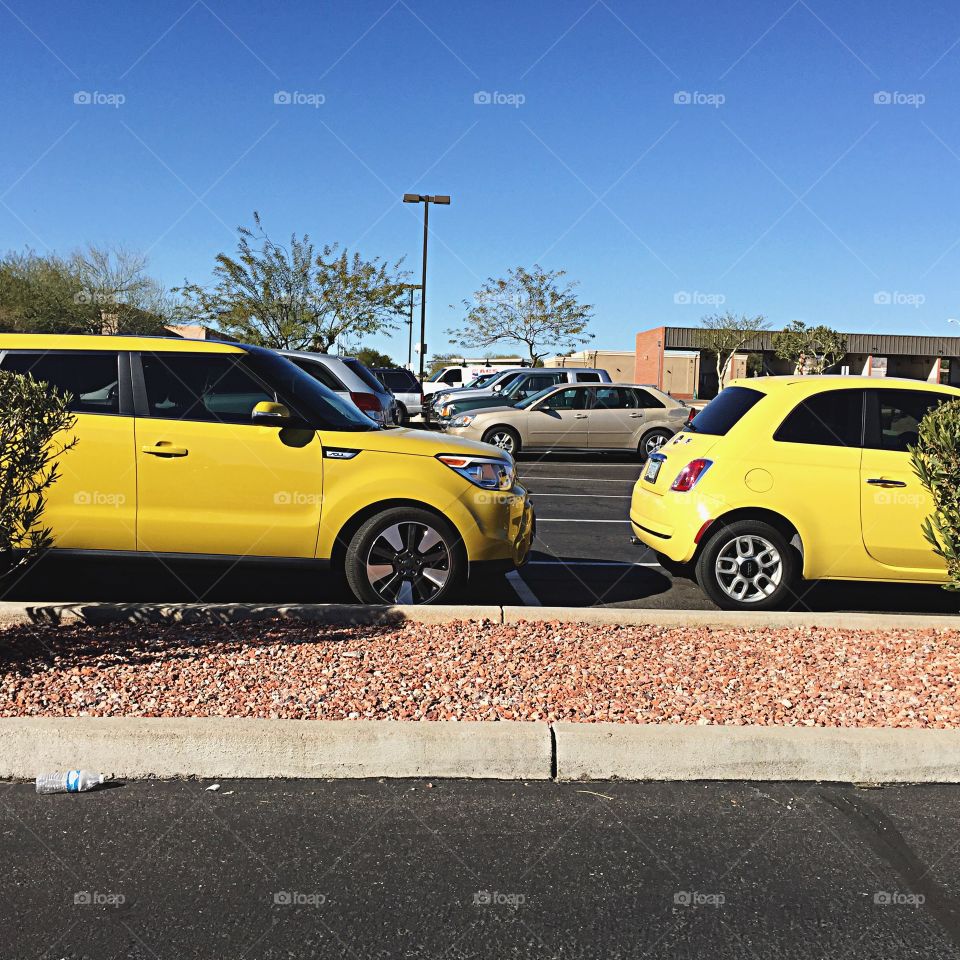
(810, 349)
(373, 358)
(296, 298)
(438, 361)
(534, 308)
(936, 461)
(725, 335)
(34, 425)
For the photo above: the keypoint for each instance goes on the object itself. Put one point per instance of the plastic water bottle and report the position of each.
(73, 781)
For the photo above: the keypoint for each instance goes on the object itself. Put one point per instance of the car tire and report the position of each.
(387, 563)
(652, 441)
(748, 565)
(403, 418)
(506, 438)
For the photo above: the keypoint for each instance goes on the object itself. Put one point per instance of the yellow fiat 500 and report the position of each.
(787, 478)
(217, 449)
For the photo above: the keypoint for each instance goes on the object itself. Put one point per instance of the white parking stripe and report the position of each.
(592, 496)
(534, 476)
(526, 595)
(568, 520)
(591, 563)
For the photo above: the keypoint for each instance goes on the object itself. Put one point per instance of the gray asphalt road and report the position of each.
(477, 870)
(582, 557)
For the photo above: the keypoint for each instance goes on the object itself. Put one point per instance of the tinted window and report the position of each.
(588, 377)
(197, 386)
(567, 399)
(319, 372)
(452, 376)
(90, 378)
(614, 398)
(833, 419)
(648, 400)
(900, 414)
(364, 374)
(526, 386)
(399, 381)
(721, 413)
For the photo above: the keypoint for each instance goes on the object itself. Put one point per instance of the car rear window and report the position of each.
(364, 374)
(721, 413)
(399, 381)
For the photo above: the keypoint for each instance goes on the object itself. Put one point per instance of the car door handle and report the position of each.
(165, 449)
(635, 416)
(580, 416)
(883, 482)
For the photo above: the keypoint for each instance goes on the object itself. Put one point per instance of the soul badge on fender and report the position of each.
(339, 453)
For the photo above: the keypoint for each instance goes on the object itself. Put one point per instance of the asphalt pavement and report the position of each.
(582, 557)
(269, 869)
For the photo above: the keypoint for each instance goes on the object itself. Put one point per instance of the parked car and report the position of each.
(460, 374)
(208, 448)
(784, 479)
(406, 389)
(351, 379)
(579, 417)
(510, 392)
(482, 386)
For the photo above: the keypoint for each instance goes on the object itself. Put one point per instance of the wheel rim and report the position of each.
(503, 440)
(654, 443)
(408, 563)
(749, 569)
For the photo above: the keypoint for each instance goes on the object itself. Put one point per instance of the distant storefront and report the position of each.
(673, 359)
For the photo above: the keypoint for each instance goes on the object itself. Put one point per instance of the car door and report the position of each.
(616, 418)
(893, 502)
(209, 479)
(560, 419)
(93, 503)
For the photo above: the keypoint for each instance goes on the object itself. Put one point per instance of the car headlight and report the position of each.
(486, 472)
(446, 411)
(463, 421)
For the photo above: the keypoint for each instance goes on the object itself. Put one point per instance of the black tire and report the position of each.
(508, 433)
(652, 441)
(753, 559)
(403, 417)
(393, 539)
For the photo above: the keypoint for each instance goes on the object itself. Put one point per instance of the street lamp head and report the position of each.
(441, 199)
(412, 198)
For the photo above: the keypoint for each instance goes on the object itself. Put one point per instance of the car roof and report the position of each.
(82, 341)
(815, 383)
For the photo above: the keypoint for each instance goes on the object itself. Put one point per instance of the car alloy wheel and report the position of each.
(502, 438)
(408, 562)
(748, 568)
(654, 441)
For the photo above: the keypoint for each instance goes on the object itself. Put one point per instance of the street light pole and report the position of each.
(411, 287)
(426, 200)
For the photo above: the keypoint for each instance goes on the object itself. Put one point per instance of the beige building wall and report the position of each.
(618, 363)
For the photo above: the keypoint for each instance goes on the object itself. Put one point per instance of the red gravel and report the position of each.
(468, 671)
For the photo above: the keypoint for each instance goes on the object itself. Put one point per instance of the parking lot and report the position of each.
(582, 557)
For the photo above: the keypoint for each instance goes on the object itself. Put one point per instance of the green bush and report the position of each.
(34, 421)
(936, 461)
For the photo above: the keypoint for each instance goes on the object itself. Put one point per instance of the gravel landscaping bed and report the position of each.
(485, 671)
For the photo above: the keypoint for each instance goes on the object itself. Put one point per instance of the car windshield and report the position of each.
(483, 381)
(323, 409)
(721, 413)
(534, 397)
(397, 380)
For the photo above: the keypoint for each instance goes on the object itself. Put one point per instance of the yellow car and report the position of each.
(201, 448)
(783, 479)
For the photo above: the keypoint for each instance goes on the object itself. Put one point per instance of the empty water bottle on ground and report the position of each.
(73, 781)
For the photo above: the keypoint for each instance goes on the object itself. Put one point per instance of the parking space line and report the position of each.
(592, 496)
(534, 476)
(591, 563)
(526, 595)
(568, 520)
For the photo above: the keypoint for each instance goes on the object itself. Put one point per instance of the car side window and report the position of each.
(452, 376)
(833, 418)
(532, 384)
(91, 378)
(614, 398)
(900, 413)
(319, 373)
(588, 378)
(648, 401)
(201, 386)
(571, 399)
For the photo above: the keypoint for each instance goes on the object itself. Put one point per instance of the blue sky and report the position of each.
(780, 187)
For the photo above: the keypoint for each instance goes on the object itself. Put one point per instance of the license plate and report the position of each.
(652, 471)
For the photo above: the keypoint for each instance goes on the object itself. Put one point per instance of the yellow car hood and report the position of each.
(418, 443)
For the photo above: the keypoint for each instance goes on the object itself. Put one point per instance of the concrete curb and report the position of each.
(142, 748)
(12, 614)
(604, 751)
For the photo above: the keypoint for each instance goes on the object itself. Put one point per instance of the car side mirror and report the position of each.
(497, 388)
(545, 407)
(271, 414)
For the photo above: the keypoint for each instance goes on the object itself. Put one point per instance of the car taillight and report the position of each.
(367, 402)
(691, 414)
(687, 478)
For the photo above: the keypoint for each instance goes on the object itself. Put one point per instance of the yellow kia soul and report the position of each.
(217, 449)
(783, 478)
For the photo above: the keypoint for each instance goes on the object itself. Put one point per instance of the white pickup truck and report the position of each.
(460, 375)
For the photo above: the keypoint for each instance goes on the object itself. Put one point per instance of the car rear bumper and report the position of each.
(667, 524)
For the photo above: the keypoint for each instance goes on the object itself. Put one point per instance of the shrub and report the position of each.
(936, 461)
(34, 419)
